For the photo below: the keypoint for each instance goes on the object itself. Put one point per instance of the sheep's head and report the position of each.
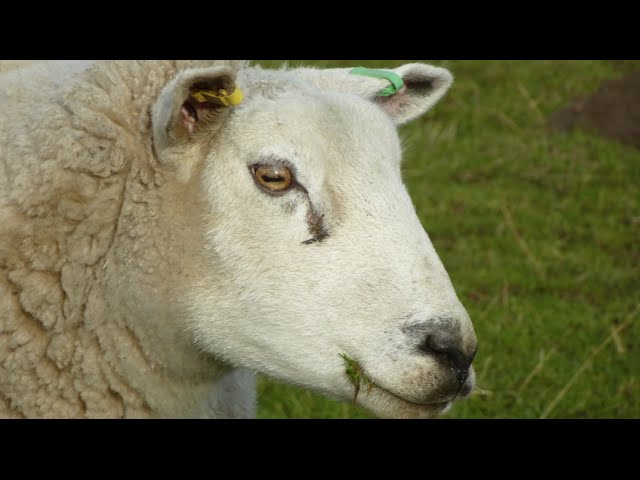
(314, 253)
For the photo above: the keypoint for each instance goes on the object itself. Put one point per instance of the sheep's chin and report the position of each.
(385, 404)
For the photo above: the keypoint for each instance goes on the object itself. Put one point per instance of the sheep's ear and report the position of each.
(196, 100)
(404, 93)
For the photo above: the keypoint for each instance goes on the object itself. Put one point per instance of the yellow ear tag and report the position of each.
(222, 96)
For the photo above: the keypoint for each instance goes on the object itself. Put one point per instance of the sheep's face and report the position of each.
(318, 263)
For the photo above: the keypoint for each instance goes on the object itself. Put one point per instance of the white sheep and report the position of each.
(168, 228)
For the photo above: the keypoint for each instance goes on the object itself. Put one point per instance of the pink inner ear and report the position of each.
(394, 104)
(189, 122)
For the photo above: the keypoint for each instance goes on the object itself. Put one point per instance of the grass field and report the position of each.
(540, 233)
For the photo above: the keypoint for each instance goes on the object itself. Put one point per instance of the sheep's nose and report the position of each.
(442, 338)
(448, 348)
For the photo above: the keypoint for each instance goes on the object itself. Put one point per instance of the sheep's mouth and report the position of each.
(396, 406)
(433, 405)
(361, 381)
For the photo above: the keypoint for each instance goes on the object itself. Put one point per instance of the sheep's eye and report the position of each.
(274, 179)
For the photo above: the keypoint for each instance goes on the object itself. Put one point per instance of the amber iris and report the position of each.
(273, 178)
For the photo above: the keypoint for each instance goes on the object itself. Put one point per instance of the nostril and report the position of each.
(448, 351)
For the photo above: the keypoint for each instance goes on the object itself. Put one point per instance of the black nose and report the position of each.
(442, 344)
(441, 338)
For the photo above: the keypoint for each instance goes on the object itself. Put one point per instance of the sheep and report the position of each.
(168, 229)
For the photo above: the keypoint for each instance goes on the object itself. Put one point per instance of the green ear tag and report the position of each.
(396, 81)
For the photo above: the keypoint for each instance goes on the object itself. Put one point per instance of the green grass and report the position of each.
(540, 233)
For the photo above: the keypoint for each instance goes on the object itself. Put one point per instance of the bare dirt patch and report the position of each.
(613, 111)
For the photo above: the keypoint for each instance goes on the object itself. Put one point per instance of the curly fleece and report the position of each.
(81, 230)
